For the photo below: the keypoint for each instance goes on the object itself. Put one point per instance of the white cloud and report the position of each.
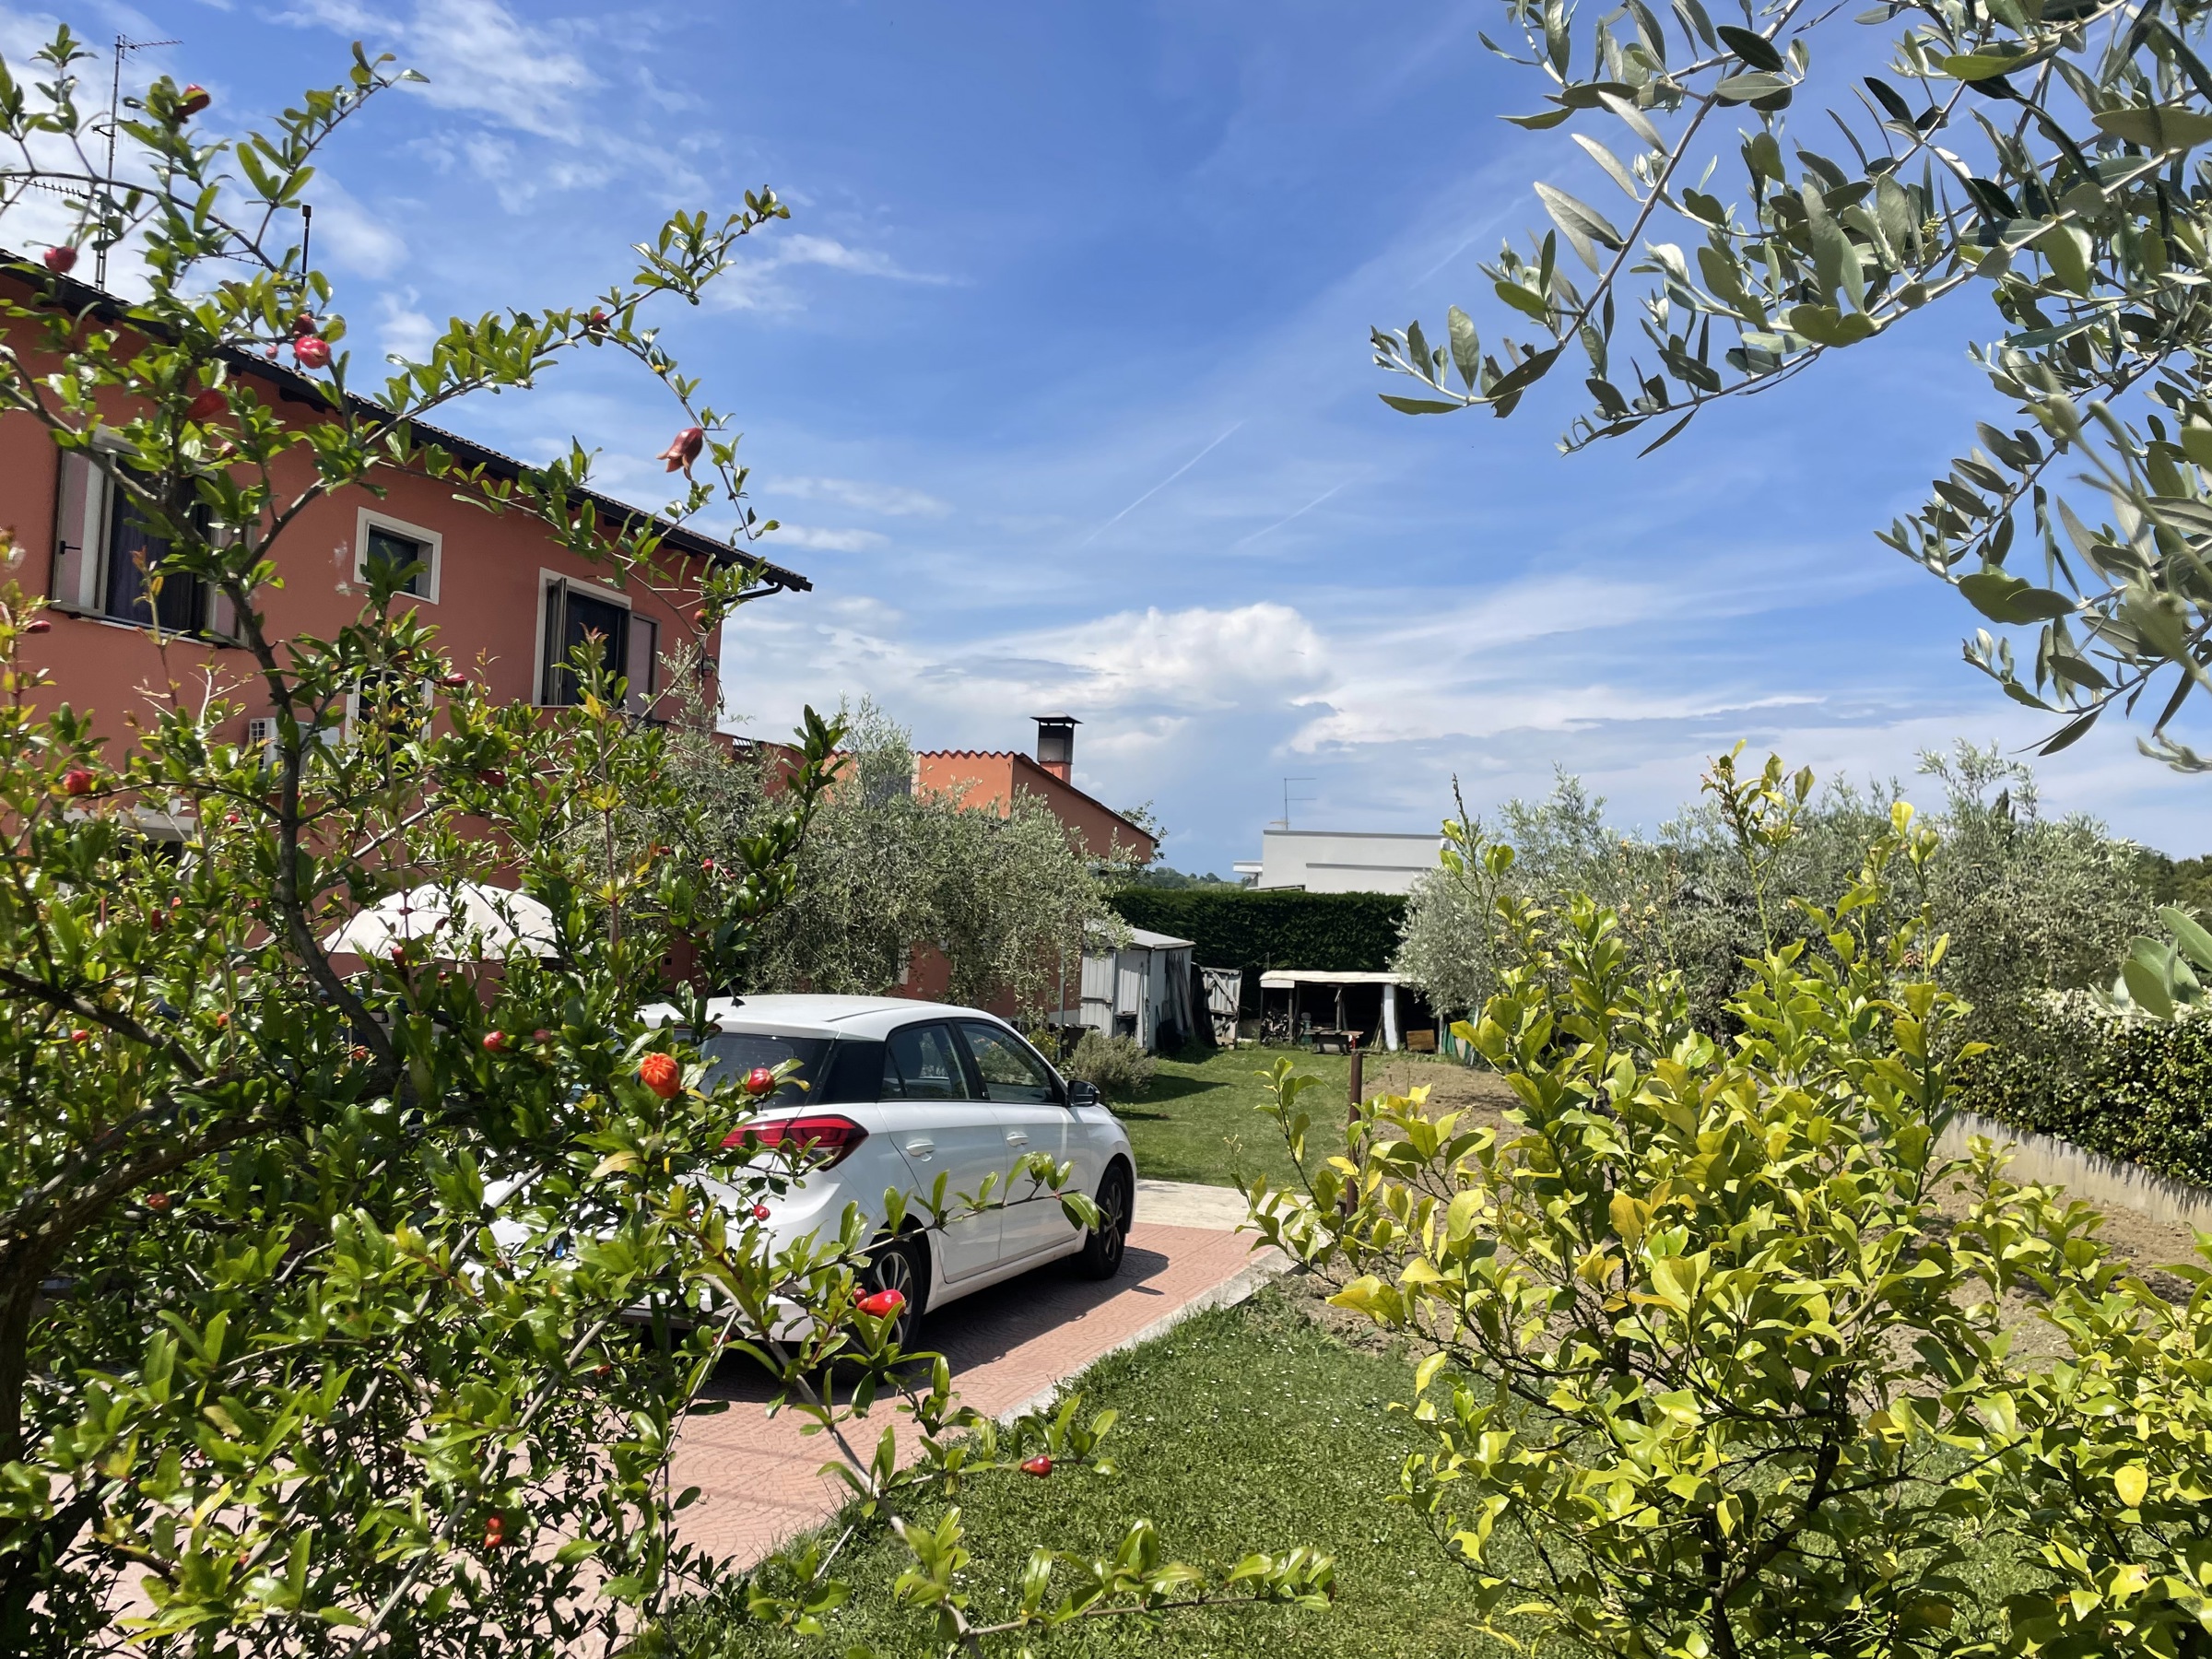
(753, 285)
(890, 501)
(404, 331)
(1194, 659)
(479, 58)
(827, 541)
(353, 237)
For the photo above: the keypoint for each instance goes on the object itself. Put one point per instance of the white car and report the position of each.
(899, 1092)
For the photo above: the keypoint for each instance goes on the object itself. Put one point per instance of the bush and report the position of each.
(1238, 927)
(1709, 1370)
(1116, 1065)
(2135, 1089)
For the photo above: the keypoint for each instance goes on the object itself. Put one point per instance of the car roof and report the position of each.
(872, 1018)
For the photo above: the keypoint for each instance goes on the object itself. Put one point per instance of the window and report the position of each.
(921, 1064)
(391, 708)
(627, 644)
(1010, 1072)
(732, 1054)
(386, 542)
(106, 559)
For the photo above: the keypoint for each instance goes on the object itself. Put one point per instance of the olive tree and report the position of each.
(2038, 154)
(1006, 898)
(321, 1285)
(2028, 902)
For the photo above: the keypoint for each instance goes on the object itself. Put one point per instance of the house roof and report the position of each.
(1160, 941)
(1038, 768)
(294, 387)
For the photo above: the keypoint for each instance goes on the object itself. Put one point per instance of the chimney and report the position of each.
(1056, 744)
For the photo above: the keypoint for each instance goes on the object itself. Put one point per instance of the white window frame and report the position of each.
(433, 543)
(93, 535)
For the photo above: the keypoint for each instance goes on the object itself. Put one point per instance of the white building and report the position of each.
(1342, 861)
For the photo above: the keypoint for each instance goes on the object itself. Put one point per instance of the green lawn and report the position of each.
(1199, 1118)
(1245, 1428)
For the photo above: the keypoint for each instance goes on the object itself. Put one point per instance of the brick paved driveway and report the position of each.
(1010, 1347)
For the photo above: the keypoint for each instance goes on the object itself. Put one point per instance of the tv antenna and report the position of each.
(124, 46)
(1289, 797)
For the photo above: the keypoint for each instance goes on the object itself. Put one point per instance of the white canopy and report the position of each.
(470, 923)
(1282, 979)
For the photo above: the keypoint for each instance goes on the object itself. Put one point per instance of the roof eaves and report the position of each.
(296, 387)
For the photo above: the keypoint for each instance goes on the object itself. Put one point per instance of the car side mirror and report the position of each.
(1083, 1092)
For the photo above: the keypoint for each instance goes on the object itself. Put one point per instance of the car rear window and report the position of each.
(731, 1054)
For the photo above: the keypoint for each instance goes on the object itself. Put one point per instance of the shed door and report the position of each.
(1131, 969)
(1096, 1011)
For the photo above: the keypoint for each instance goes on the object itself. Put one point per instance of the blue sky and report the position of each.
(1058, 378)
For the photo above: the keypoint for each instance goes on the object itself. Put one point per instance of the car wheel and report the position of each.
(900, 1264)
(1103, 1248)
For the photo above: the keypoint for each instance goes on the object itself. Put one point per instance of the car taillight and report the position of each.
(829, 1136)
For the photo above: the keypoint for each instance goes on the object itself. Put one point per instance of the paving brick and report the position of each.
(1011, 1347)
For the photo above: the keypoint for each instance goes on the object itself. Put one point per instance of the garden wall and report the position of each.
(1241, 927)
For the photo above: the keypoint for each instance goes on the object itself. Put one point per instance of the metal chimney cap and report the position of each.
(1055, 720)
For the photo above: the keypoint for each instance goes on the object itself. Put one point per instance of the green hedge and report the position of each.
(2135, 1090)
(1239, 927)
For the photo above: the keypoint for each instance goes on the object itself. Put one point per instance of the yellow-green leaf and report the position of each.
(2133, 1484)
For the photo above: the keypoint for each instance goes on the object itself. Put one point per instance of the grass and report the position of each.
(1245, 1428)
(1199, 1118)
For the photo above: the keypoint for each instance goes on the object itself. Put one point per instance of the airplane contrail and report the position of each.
(1156, 488)
(1279, 524)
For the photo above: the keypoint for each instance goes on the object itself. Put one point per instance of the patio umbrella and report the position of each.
(470, 923)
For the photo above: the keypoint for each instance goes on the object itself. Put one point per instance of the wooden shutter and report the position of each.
(644, 663)
(77, 538)
(549, 676)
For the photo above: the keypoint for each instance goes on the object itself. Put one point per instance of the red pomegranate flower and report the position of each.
(881, 1305)
(61, 260)
(759, 1212)
(759, 1080)
(494, 1041)
(77, 781)
(683, 449)
(312, 351)
(207, 406)
(661, 1074)
(38, 625)
(1040, 1466)
(193, 101)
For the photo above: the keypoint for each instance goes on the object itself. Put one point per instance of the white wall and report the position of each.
(1329, 861)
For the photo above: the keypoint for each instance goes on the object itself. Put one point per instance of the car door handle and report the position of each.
(921, 1148)
(1014, 1138)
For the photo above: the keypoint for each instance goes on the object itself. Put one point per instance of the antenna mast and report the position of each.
(124, 46)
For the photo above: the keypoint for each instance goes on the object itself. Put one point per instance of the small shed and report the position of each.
(1377, 1007)
(1142, 990)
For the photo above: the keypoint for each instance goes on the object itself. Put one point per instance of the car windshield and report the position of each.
(731, 1054)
